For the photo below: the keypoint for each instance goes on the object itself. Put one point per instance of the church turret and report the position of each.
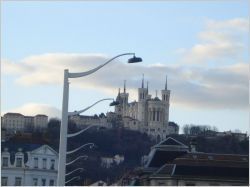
(165, 95)
(124, 100)
(142, 92)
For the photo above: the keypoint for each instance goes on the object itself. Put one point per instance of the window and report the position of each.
(43, 182)
(4, 181)
(35, 162)
(35, 180)
(51, 182)
(18, 181)
(5, 161)
(44, 163)
(52, 166)
(19, 162)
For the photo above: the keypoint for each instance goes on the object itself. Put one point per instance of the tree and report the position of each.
(71, 126)
(195, 130)
(102, 115)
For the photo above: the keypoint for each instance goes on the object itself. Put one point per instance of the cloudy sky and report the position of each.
(202, 46)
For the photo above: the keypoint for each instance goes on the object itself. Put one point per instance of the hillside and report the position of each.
(128, 144)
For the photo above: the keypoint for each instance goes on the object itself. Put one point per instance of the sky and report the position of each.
(201, 46)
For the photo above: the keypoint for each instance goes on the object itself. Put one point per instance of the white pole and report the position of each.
(63, 132)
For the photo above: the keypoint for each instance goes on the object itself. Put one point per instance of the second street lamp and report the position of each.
(64, 123)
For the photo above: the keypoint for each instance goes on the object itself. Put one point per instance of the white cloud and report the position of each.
(221, 87)
(220, 41)
(37, 108)
(241, 24)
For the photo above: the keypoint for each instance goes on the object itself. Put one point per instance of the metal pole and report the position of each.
(63, 132)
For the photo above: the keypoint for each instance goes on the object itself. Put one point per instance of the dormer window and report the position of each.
(5, 162)
(19, 162)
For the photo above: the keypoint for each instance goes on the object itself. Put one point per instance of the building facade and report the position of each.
(14, 122)
(28, 165)
(148, 115)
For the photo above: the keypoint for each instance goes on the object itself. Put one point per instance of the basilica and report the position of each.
(148, 115)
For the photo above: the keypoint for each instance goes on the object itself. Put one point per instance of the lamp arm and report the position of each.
(82, 74)
(81, 169)
(72, 179)
(83, 156)
(81, 131)
(83, 110)
(90, 144)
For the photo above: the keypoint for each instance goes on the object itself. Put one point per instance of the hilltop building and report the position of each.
(14, 122)
(148, 115)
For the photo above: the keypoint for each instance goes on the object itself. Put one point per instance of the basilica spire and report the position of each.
(124, 88)
(142, 84)
(166, 84)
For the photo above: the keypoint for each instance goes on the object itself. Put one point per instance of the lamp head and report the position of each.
(114, 103)
(135, 59)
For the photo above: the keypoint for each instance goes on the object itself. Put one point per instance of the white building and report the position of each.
(18, 122)
(28, 165)
(40, 121)
(149, 115)
(82, 121)
(14, 121)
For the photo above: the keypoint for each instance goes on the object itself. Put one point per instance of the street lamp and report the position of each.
(91, 145)
(81, 169)
(78, 178)
(64, 123)
(83, 156)
(83, 110)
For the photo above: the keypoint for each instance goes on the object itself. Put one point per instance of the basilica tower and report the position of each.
(142, 97)
(165, 96)
(122, 98)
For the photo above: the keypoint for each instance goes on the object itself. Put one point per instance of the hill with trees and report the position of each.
(130, 144)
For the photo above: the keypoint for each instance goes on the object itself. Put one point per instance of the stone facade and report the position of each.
(148, 115)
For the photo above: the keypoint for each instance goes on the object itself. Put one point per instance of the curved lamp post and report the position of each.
(91, 145)
(114, 103)
(81, 169)
(83, 156)
(83, 110)
(78, 178)
(64, 123)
